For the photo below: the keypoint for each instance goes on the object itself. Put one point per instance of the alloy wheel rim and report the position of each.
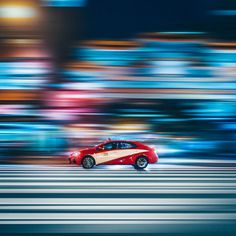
(142, 162)
(88, 162)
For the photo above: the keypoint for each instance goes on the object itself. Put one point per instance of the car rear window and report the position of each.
(126, 145)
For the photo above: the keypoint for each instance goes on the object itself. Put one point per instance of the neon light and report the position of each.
(15, 12)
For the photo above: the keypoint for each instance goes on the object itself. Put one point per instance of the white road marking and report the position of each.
(187, 190)
(116, 201)
(126, 184)
(161, 223)
(128, 179)
(195, 205)
(117, 216)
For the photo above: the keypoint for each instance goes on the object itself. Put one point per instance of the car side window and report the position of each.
(110, 146)
(126, 145)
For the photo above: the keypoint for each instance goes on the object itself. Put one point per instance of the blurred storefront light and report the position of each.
(166, 84)
(111, 53)
(17, 12)
(64, 3)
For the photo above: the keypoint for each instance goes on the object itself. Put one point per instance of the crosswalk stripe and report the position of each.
(116, 201)
(181, 199)
(220, 191)
(119, 184)
(117, 216)
(96, 179)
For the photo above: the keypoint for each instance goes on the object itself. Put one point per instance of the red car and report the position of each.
(115, 152)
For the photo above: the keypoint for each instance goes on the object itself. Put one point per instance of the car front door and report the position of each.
(106, 153)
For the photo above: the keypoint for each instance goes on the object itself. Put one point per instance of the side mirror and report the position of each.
(99, 148)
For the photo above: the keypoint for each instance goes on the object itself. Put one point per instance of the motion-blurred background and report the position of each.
(76, 72)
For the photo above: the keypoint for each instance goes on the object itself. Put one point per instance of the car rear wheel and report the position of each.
(88, 162)
(141, 163)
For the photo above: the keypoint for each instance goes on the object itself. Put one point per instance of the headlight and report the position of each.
(76, 154)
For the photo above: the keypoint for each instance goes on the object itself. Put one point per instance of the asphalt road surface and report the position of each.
(177, 196)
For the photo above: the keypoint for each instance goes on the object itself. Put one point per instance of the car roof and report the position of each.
(128, 141)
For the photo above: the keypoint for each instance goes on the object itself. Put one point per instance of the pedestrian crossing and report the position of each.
(164, 199)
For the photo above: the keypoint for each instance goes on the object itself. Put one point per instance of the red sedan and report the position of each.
(115, 152)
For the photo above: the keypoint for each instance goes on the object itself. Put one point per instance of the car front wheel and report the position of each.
(88, 162)
(141, 163)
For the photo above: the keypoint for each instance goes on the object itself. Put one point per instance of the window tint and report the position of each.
(111, 145)
(126, 145)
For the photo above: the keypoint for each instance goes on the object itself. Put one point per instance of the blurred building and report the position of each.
(174, 90)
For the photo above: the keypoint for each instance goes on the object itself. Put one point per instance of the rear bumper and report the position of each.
(153, 158)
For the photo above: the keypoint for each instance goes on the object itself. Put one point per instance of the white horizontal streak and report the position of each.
(117, 207)
(106, 222)
(126, 184)
(207, 190)
(117, 216)
(107, 175)
(142, 178)
(117, 201)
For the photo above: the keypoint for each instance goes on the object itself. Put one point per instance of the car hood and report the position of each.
(87, 150)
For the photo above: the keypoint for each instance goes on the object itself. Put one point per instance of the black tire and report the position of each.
(88, 162)
(141, 163)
